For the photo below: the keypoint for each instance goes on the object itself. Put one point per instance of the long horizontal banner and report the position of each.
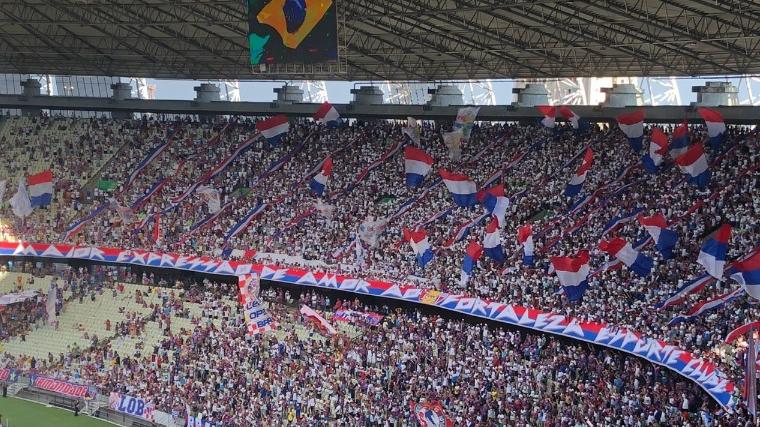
(58, 386)
(702, 372)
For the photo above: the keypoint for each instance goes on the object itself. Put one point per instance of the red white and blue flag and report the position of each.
(327, 115)
(747, 273)
(572, 272)
(492, 241)
(633, 259)
(472, 254)
(319, 181)
(418, 239)
(619, 220)
(657, 227)
(550, 113)
(495, 202)
(571, 117)
(688, 288)
(658, 148)
(40, 188)
(576, 182)
(694, 163)
(710, 304)
(632, 125)
(417, 164)
(525, 238)
(679, 143)
(712, 256)
(463, 190)
(716, 127)
(273, 128)
(463, 230)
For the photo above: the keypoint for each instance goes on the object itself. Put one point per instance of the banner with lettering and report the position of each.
(703, 372)
(257, 318)
(131, 405)
(61, 387)
(8, 375)
(198, 421)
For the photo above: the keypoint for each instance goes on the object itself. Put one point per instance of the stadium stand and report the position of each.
(357, 228)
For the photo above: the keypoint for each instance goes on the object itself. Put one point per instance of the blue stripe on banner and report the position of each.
(277, 164)
(363, 174)
(76, 226)
(245, 222)
(148, 194)
(148, 159)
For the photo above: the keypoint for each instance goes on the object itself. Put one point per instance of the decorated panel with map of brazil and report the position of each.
(292, 31)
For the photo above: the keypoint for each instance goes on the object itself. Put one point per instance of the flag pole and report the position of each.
(751, 375)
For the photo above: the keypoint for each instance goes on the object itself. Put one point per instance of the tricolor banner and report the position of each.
(702, 372)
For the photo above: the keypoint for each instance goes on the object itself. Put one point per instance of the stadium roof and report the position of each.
(391, 39)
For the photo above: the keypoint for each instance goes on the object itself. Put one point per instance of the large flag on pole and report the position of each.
(712, 256)
(550, 113)
(658, 148)
(471, 256)
(273, 128)
(417, 164)
(525, 238)
(716, 127)
(461, 187)
(694, 163)
(572, 272)
(327, 115)
(576, 182)
(747, 274)
(632, 125)
(40, 188)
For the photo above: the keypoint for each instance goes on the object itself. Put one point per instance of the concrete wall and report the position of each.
(663, 114)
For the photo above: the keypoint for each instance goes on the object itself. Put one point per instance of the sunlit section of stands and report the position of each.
(9, 282)
(76, 319)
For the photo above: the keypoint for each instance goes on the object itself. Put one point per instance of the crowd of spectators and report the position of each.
(324, 238)
(482, 374)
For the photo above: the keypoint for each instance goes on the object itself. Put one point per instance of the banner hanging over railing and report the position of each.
(702, 372)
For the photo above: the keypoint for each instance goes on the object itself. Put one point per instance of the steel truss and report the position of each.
(421, 40)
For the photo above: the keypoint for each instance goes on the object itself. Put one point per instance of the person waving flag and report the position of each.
(417, 164)
(632, 125)
(572, 272)
(716, 127)
(658, 148)
(712, 256)
(633, 259)
(472, 254)
(525, 238)
(319, 181)
(576, 182)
